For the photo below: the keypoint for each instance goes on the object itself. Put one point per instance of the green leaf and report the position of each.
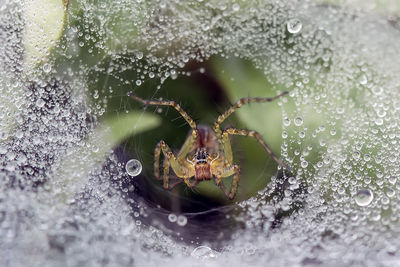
(44, 22)
(123, 126)
(73, 172)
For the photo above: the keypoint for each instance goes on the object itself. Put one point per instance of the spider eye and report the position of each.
(201, 156)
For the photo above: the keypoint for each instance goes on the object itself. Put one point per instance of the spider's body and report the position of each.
(206, 153)
(204, 150)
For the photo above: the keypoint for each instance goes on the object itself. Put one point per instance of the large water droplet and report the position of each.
(298, 121)
(133, 167)
(363, 79)
(364, 197)
(294, 26)
(40, 103)
(203, 252)
(139, 55)
(182, 220)
(286, 121)
(46, 67)
(172, 217)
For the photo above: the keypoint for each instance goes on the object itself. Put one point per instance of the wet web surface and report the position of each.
(67, 197)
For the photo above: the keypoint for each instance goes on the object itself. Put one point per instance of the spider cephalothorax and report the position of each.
(202, 166)
(202, 162)
(201, 155)
(206, 153)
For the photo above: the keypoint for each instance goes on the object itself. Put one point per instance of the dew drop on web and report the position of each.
(203, 252)
(133, 167)
(364, 197)
(294, 26)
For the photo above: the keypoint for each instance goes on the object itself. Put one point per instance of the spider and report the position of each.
(206, 153)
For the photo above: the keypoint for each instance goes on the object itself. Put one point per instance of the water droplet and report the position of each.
(340, 110)
(46, 67)
(377, 90)
(379, 121)
(182, 220)
(203, 252)
(133, 167)
(235, 7)
(40, 103)
(139, 55)
(173, 74)
(385, 200)
(286, 121)
(304, 164)
(390, 192)
(3, 150)
(356, 155)
(95, 149)
(172, 217)
(294, 26)
(363, 79)
(364, 197)
(381, 113)
(298, 121)
(138, 82)
(19, 134)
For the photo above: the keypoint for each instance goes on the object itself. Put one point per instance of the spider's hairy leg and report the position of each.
(187, 146)
(180, 168)
(240, 103)
(166, 166)
(173, 104)
(235, 170)
(156, 167)
(256, 135)
(174, 184)
(189, 184)
(226, 148)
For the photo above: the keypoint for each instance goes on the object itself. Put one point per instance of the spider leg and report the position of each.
(256, 135)
(173, 104)
(189, 184)
(170, 160)
(186, 148)
(157, 152)
(171, 186)
(234, 169)
(166, 166)
(240, 103)
(181, 168)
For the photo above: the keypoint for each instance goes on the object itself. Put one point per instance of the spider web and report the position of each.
(65, 196)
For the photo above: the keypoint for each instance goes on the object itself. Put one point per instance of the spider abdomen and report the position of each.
(206, 138)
